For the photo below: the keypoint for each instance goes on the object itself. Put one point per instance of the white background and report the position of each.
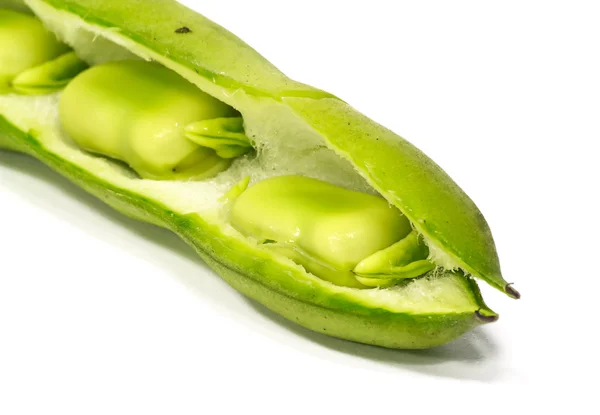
(100, 314)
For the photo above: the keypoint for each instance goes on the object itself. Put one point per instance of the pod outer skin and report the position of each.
(438, 208)
(255, 275)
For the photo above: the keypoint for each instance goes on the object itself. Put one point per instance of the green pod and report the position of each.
(297, 130)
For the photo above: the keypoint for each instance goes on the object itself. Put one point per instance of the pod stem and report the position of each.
(486, 316)
(512, 292)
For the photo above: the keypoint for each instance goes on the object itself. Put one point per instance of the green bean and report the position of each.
(32, 59)
(141, 113)
(333, 232)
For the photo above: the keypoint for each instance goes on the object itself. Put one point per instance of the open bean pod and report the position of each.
(292, 196)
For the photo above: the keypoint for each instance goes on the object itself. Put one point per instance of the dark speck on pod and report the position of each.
(183, 29)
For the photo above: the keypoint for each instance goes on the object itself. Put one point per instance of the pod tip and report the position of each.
(512, 292)
(486, 316)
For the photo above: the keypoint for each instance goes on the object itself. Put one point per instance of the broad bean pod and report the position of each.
(292, 196)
